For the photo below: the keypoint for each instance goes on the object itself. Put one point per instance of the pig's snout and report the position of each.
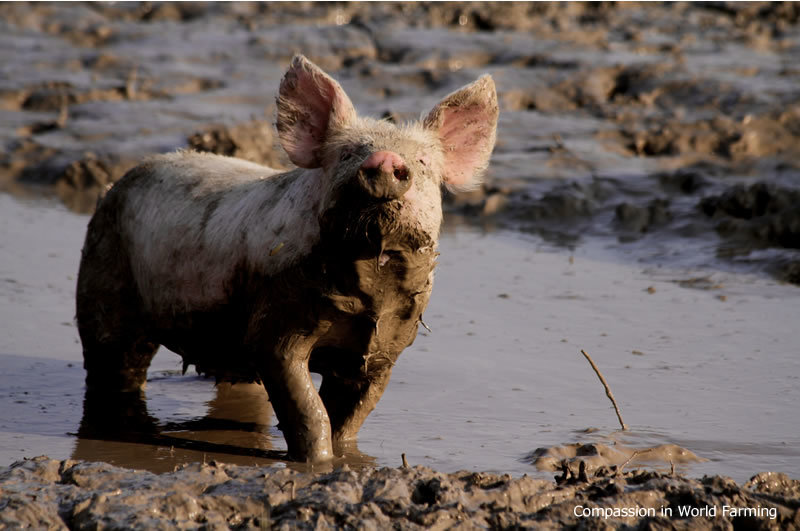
(384, 175)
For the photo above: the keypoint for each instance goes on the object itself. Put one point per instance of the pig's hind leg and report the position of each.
(116, 348)
(118, 365)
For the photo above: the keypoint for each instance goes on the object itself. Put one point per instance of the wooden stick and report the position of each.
(628, 460)
(292, 483)
(609, 394)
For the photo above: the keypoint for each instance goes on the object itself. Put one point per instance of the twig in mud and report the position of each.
(671, 468)
(405, 463)
(628, 460)
(609, 394)
(292, 483)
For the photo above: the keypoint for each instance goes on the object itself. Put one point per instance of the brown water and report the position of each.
(705, 360)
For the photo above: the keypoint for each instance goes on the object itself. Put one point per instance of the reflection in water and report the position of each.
(119, 429)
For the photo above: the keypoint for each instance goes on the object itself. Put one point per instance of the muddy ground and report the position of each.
(667, 135)
(45, 493)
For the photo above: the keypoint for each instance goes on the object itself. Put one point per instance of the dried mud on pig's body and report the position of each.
(252, 274)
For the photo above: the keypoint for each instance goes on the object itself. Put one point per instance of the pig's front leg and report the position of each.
(299, 408)
(349, 402)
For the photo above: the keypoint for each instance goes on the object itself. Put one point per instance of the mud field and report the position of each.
(643, 204)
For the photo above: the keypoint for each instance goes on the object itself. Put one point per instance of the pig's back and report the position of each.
(192, 220)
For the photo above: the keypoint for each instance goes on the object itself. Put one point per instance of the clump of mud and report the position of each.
(759, 216)
(766, 214)
(254, 141)
(602, 459)
(44, 493)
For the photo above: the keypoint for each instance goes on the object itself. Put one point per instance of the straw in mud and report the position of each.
(609, 394)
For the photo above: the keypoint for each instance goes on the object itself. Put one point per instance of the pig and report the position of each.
(252, 274)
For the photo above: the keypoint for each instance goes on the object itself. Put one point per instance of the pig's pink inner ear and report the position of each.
(309, 103)
(466, 122)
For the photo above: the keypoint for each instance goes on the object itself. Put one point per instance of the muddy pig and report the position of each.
(253, 274)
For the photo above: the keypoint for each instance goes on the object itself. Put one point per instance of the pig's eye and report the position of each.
(346, 155)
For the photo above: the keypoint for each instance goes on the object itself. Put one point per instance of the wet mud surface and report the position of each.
(647, 166)
(45, 493)
(703, 366)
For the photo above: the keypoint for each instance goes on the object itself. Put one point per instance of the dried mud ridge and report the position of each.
(45, 493)
(660, 124)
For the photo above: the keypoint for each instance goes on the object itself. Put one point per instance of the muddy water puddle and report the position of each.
(701, 359)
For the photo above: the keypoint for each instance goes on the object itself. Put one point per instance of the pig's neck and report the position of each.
(288, 230)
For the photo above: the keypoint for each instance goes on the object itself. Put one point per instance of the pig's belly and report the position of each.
(350, 348)
(212, 341)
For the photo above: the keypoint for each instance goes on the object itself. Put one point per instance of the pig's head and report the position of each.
(375, 170)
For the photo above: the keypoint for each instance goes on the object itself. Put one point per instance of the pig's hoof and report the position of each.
(320, 454)
(314, 451)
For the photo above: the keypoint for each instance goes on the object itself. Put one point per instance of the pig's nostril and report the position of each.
(384, 175)
(401, 174)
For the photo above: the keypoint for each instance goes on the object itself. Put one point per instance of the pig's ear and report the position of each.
(309, 103)
(466, 122)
